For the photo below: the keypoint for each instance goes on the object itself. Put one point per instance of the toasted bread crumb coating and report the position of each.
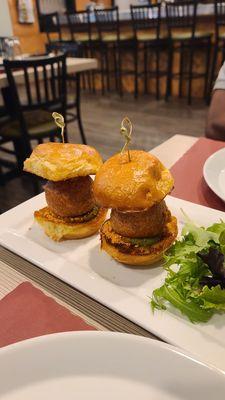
(126, 252)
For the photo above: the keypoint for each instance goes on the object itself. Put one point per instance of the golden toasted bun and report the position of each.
(139, 256)
(61, 161)
(59, 229)
(134, 185)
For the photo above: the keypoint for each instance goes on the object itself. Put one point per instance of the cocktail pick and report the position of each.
(59, 121)
(126, 131)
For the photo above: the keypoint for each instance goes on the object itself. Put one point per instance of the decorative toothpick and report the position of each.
(126, 131)
(59, 121)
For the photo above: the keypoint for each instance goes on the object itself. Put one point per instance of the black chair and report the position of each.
(8, 168)
(187, 41)
(81, 32)
(81, 28)
(219, 46)
(59, 36)
(113, 44)
(44, 83)
(146, 21)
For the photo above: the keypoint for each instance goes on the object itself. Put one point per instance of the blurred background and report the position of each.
(155, 62)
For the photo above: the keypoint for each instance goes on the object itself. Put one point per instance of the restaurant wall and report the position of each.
(81, 4)
(31, 39)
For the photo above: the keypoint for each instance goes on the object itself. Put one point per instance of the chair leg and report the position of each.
(190, 74)
(2, 178)
(146, 67)
(88, 72)
(65, 134)
(120, 72)
(93, 81)
(157, 73)
(181, 69)
(115, 67)
(136, 70)
(212, 73)
(22, 151)
(102, 66)
(93, 72)
(169, 71)
(79, 120)
(83, 81)
(36, 185)
(107, 69)
(207, 60)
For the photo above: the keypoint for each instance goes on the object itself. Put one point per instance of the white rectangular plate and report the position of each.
(123, 289)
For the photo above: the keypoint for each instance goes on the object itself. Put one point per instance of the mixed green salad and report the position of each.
(195, 265)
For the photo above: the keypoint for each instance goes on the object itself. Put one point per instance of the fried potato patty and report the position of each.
(140, 224)
(70, 198)
(126, 246)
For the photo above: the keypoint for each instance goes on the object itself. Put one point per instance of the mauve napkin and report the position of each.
(188, 174)
(27, 312)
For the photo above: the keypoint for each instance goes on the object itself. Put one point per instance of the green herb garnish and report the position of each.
(195, 281)
(144, 242)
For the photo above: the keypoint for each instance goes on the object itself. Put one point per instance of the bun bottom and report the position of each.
(133, 255)
(59, 229)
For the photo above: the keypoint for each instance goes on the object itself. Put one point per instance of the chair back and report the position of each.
(79, 23)
(219, 7)
(146, 18)
(37, 83)
(107, 21)
(52, 27)
(181, 15)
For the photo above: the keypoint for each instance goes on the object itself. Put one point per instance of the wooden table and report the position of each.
(15, 270)
(174, 148)
(74, 65)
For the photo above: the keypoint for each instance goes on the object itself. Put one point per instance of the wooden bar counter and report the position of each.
(32, 41)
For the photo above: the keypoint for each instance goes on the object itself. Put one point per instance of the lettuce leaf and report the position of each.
(174, 297)
(196, 258)
(213, 298)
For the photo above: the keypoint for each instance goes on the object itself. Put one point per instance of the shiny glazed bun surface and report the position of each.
(62, 161)
(135, 185)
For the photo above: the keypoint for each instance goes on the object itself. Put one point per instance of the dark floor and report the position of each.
(153, 123)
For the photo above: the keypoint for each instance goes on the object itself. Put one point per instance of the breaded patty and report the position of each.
(70, 198)
(129, 246)
(140, 224)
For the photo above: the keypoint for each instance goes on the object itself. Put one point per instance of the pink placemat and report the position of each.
(188, 174)
(27, 312)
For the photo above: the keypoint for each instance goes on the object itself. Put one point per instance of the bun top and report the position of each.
(62, 161)
(134, 185)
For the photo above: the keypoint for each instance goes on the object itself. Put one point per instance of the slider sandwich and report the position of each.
(71, 211)
(140, 228)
